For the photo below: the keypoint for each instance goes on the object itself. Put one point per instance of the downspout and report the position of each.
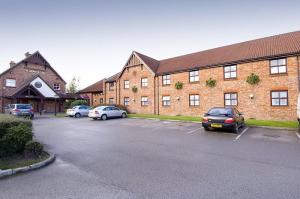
(2, 95)
(154, 97)
(157, 95)
(298, 73)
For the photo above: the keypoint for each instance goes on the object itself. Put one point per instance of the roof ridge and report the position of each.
(233, 44)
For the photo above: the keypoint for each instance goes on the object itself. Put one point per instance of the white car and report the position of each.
(105, 112)
(78, 111)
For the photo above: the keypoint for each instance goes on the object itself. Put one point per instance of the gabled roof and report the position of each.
(150, 62)
(35, 58)
(96, 87)
(113, 78)
(26, 83)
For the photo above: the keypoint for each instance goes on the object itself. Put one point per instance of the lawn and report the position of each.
(19, 160)
(249, 122)
(165, 117)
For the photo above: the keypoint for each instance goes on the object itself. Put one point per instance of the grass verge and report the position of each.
(60, 115)
(20, 160)
(165, 117)
(271, 123)
(249, 122)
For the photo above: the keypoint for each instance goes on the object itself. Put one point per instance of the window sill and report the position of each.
(166, 85)
(230, 79)
(278, 74)
(197, 82)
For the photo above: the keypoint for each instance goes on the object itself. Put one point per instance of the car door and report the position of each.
(116, 112)
(85, 110)
(108, 111)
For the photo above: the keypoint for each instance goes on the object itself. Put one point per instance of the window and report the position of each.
(101, 100)
(56, 87)
(279, 98)
(194, 100)
(166, 79)
(111, 100)
(278, 66)
(10, 82)
(126, 101)
(126, 84)
(111, 86)
(230, 72)
(230, 99)
(144, 101)
(144, 82)
(166, 101)
(194, 76)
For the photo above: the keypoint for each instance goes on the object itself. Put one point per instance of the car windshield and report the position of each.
(23, 106)
(220, 111)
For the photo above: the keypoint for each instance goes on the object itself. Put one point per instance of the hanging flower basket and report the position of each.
(179, 85)
(253, 79)
(134, 89)
(211, 82)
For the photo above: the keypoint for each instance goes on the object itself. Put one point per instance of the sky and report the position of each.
(93, 39)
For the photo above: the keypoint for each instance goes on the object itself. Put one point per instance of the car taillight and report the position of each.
(205, 119)
(16, 110)
(229, 121)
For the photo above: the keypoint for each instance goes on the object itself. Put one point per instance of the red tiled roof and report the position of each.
(264, 48)
(96, 87)
(151, 63)
(113, 78)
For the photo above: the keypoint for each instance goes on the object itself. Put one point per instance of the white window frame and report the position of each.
(111, 100)
(126, 101)
(230, 72)
(126, 84)
(194, 100)
(194, 76)
(144, 101)
(166, 100)
(279, 98)
(10, 83)
(144, 82)
(166, 79)
(276, 67)
(230, 99)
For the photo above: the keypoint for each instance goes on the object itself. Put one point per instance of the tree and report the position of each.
(73, 86)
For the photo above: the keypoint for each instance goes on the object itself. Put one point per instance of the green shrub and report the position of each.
(34, 148)
(7, 121)
(78, 102)
(15, 138)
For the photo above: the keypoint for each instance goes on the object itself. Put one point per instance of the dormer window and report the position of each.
(10, 83)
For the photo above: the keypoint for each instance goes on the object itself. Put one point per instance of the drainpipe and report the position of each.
(157, 95)
(154, 96)
(298, 73)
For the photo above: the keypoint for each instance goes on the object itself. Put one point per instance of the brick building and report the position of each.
(33, 81)
(94, 93)
(147, 85)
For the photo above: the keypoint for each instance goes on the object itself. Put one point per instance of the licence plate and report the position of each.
(216, 125)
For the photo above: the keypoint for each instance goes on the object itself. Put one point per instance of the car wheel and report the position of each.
(124, 115)
(77, 115)
(235, 129)
(104, 117)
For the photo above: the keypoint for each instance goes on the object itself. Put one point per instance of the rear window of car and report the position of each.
(24, 106)
(220, 111)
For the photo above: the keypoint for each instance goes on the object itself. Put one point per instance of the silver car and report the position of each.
(105, 112)
(24, 110)
(78, 111)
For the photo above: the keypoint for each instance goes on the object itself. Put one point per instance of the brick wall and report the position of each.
(259, 107)
(135, 74)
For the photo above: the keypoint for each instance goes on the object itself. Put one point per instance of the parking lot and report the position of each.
(137, 158)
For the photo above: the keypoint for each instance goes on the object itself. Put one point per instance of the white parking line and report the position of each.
(298, 135)
(192, 131)
(240, 135)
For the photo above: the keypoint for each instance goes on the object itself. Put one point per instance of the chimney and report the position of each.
(27, 54)
(12, 63)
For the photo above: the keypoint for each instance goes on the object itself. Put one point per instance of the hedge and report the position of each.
(14, 134)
